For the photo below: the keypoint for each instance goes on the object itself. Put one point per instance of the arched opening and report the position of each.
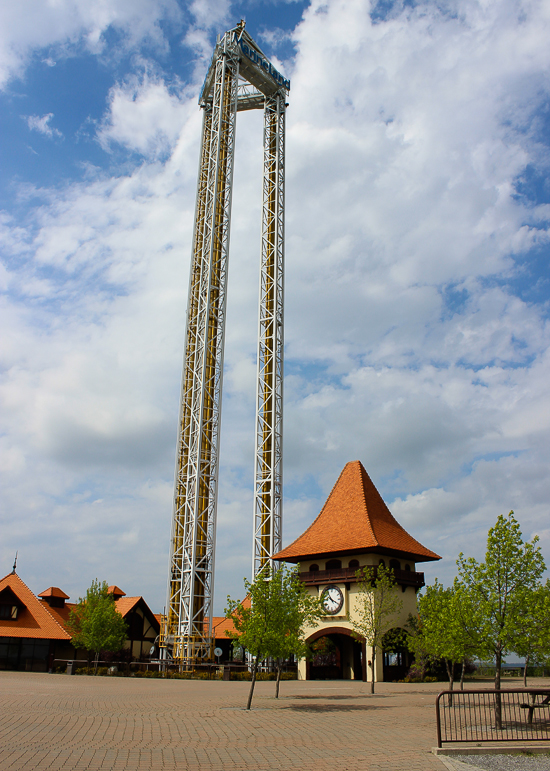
(382, 562)
(353, 564)
(336, 656)
(314, 568)
(395, 565)
(397, 657)
(334, 564)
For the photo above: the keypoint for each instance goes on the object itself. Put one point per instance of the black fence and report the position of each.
(207, 671)
(511, 715)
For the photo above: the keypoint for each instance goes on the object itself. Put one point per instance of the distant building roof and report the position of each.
(125, 604)
(355, 519)
(34, 619)
(54, 591)
(116, 592)
(221, 624)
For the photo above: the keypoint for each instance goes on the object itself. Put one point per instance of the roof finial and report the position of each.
(14, 563)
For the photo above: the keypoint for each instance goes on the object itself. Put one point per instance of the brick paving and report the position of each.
(59, 722)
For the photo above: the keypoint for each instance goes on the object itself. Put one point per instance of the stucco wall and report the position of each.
(349, 610)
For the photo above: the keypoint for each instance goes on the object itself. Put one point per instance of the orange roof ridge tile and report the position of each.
(355, 519)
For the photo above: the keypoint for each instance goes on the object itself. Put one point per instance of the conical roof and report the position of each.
(355, 519)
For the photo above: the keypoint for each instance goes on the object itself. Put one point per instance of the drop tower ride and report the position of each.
(240, 78)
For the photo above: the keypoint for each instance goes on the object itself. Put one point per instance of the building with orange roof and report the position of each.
(33, 629)
(355, 529)
(29, 633)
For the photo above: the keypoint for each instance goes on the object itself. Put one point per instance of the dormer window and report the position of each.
(9, 612)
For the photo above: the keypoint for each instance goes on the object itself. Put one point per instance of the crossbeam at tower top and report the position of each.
(240, 77)
(254, 67)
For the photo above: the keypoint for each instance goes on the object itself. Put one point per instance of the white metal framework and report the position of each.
(240, 78)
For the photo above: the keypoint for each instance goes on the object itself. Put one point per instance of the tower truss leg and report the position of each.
(269, 398)
(190, 591)
(240, 78)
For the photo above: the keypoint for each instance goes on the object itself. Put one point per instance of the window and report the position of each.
(382, 562)
(354, 563)
(334, 565)
(394, 659)
(395, 565)
(314, 568)
(408, 567)
(8, 611)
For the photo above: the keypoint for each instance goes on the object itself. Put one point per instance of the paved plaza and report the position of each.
(98, 723)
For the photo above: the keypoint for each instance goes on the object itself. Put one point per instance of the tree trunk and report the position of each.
(278, 665)
(525, 671)
(451, 675)
(96, 662)
(253, 683)
(498, 701)
(462, 674)
(372, 669)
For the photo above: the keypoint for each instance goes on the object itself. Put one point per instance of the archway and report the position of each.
(397, 657)
(337, 655)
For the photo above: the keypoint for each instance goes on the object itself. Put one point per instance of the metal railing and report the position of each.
(402, 577)
(508, 715)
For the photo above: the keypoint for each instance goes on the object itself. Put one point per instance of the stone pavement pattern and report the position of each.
(54, 722)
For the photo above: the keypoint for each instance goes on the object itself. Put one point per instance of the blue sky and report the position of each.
(417, 289)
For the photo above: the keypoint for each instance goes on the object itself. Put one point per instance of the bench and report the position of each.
(545, 703)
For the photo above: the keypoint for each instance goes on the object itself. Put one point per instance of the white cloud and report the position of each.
(29, 25)
(144, 117)
(42, 125)
(406, 345)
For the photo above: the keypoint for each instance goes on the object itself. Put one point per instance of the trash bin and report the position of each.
(71, 668)
(227, 672)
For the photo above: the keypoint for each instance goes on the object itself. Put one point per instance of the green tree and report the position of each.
(442, 632)
(95, 624)
(494, 596)
(272, 625)
(376, 608)
(416, 643)
(534, 636)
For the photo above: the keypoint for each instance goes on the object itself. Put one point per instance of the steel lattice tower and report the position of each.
(240, 77)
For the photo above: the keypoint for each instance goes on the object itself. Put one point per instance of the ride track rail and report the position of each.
(507, 715)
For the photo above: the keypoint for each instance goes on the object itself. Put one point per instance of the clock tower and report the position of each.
(354, 530)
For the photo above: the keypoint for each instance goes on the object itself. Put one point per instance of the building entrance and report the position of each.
(337, 656)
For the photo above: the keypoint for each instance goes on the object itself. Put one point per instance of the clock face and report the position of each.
(332, 600)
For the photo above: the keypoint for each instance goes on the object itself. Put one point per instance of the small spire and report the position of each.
(14, 563)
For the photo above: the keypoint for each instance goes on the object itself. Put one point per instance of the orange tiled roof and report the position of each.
(61, 615)
(35, 619)
(125, 604)
(54, 591)
(115, 591)
(355, 519)
(221, 624)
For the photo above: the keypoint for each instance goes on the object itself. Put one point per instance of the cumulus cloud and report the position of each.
(407, 345)
(144, 116)
(31, 25)
(42, 125)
